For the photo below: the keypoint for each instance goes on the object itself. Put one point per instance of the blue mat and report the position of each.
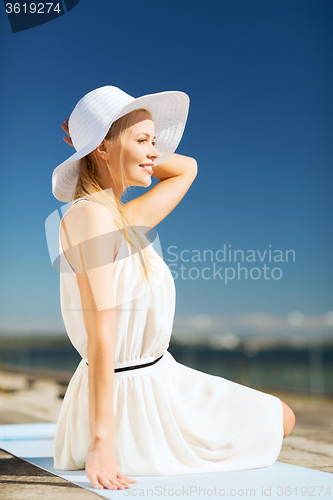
(34, 444)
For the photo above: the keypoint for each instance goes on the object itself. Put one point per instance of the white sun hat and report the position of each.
(93, 116)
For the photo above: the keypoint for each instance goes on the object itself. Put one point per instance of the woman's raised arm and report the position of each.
(176, 176)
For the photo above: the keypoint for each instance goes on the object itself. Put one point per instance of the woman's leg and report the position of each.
(288, 419)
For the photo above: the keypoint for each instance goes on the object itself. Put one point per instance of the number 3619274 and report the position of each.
(32, 8)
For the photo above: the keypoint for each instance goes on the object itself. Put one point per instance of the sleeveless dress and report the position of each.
(168, 418)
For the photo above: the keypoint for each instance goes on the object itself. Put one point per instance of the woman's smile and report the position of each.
(147, 167)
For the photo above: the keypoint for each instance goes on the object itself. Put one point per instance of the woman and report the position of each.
(130, 408)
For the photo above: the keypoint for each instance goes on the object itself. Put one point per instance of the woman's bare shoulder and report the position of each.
(86, 220)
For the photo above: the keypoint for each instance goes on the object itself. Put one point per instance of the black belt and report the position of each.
(136, 366)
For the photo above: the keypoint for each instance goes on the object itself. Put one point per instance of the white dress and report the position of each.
(168, 418)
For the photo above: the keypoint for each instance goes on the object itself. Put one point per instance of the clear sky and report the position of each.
(259, 76)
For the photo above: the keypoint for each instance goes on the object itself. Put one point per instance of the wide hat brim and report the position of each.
(169, 111)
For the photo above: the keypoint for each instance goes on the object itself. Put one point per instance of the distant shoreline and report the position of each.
(264, 342)
(255, 362)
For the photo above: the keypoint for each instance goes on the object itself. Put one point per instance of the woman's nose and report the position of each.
(153, 153)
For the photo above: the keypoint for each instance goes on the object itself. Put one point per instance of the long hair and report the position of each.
(89, 186)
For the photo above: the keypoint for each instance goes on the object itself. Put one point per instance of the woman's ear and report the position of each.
(101, 150)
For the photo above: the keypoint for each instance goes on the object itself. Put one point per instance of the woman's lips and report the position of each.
(147, 168)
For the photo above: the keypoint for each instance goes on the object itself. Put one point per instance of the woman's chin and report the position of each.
(141, 182)
(146, 183)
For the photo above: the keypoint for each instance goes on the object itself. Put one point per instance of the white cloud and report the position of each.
(203, 321)
(262, 324)
(23, 326)
(224, 329)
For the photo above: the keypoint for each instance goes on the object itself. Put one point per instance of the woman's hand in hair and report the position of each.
(68, 139)
(102, 470)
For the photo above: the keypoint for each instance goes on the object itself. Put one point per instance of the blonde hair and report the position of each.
(89, 186)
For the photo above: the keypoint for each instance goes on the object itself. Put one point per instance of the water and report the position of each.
(306, 371)
(282, 369)
(62, 358)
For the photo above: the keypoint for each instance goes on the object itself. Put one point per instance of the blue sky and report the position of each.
(259, 77)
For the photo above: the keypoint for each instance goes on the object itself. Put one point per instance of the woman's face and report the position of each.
(137, 150)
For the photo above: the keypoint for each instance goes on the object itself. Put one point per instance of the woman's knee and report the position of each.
(288, 419)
